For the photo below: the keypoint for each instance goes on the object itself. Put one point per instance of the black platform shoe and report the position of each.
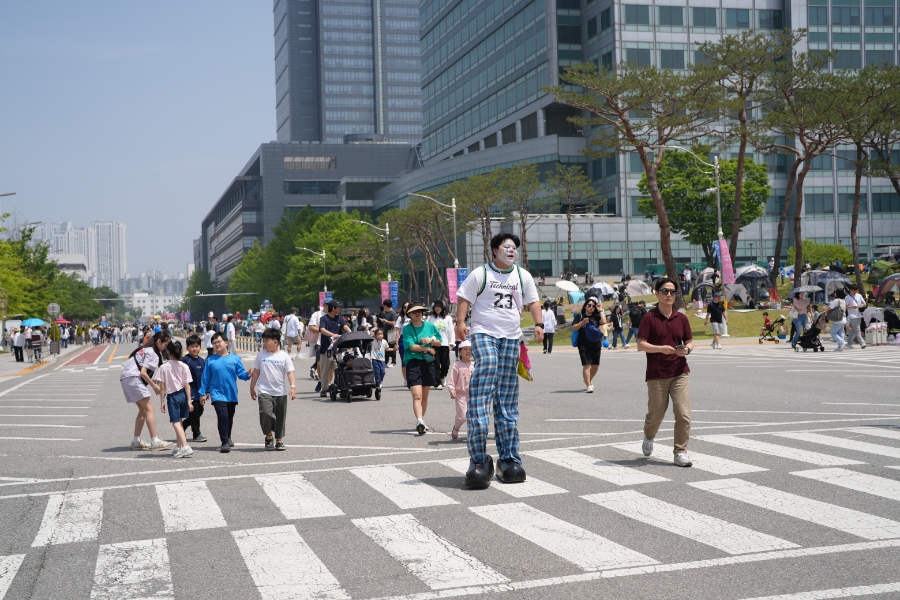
(509, 471)
(480, 476)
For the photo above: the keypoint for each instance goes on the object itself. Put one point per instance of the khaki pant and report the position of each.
(658, 393)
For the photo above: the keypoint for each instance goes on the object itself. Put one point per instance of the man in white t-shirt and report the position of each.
(497, 293)
(855, 305)
(687, 279)
(292, 330)
(316, 369)
(230, 334)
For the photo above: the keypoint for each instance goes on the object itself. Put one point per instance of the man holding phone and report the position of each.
(665, 335)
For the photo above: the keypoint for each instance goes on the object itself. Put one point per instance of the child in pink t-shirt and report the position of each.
(458, 384)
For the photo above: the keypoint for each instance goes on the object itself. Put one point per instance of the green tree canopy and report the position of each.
(821, 254)
(200, 306)
(683, 184)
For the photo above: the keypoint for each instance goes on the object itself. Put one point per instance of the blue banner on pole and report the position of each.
(395, 293)
(461, 275)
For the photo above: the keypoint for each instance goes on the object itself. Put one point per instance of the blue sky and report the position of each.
(140, 112)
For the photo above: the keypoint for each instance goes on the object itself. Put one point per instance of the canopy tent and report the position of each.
(882, 269)
(637, 288)
(755, 280)
(829, 281)
(601, 289)
(703, 292)
(889, 289)
(736, 289)
(62, 321)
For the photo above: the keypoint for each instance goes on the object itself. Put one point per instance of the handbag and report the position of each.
(575, 333)
(836, 313)
(592, 332)
(793, 314)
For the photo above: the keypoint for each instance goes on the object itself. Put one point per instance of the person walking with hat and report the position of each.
(422, 340)
(497, 292)
(715, 314)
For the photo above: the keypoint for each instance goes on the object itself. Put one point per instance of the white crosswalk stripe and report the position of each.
(702, 462)
(882, 432)
(71, 517)
(844, 443)
(284, 567)
(431, 558)
(586, 549)
(133, 571)
(9, 566)
(806, 456)
(401, 488)
(594, 467)
(848, 592)
(869, 527)
(527, 489)
(861, 482)
(297, 498)
(728, 537)
(173, 497)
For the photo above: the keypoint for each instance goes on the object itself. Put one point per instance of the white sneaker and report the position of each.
(712, 345)
(626, 346)
(184, 452)
(647, 446)
(682, 460)
(161, 445)
(439, 387)
(590, 389)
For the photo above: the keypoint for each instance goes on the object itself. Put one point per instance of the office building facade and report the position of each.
(348, 68)
(484, 63)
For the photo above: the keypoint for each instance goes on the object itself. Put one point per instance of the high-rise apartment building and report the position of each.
(101, 244)
(485, 62)
(112, 262)
(347, 68)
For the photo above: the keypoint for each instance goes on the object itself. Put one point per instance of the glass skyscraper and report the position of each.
(347, 67)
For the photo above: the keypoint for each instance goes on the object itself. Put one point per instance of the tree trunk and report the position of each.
(739, 184)
(444, 238)
(798, 221)
(413, 280)
(569, 225)
(486, 235)
(854, 240)
(710, 255)
(895, 181)
(782, 221)
(665, 234)
(524, 237)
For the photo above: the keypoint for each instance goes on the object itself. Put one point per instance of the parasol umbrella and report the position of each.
(62, 321)
(604, 289)
(33, 323)
(736, 289)
(805, 289)
(567, 286)
(637, 288)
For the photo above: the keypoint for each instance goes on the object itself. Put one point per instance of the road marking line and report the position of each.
(843, 519)
(584, 548)
(9, 566)
(727, 537)
(527, 489)
(112, 354)
(133, 571)
(42, 439)
(284, 567)
(15, 387)
(787, 412)
(647, 570)
(594, 467)
(70, 517)
(702, 462)
(99, 356)
(861, 482)
(862, 590)
(32, 406)
(297, 498)
(882, 432)
(806, 456)
(858, 404)
(40, 425)
(401, 488)
(431, 558)
(205, 513)
(44, 400)
(48, 416)
(844, 443)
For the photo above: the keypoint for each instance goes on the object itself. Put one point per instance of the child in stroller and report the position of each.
(810, 339)
(768, 331)
(353, 374)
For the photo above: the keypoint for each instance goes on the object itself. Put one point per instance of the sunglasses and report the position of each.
(667, 292)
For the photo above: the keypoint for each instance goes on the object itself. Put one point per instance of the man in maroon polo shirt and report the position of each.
(665, 335)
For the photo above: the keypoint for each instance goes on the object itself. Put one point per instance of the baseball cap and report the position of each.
(465, 344)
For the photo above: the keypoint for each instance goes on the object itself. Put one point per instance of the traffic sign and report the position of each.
(53, 308)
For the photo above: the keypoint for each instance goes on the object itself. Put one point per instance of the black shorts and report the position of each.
(590, 355)
(419, 372)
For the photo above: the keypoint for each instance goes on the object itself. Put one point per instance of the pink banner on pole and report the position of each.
(385, 290)
(321, 298)
(727, 267)
(452, 284)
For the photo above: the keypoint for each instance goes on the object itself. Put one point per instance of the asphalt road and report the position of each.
(794, 490)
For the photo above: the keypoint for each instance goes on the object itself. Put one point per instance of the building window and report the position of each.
(250, 217)
(249, 241)
(704, 17)
(879, 57)
(605, 19)
(845, 15)
(820, 163)
(606, 60)
(672, 16)
(311, 187)
(671, 59)
(508, 134)
(879, 16)
(310, 162)
(770, 19)
(700, 58)
(529, 127)
(568, 34)
(490, 141)
(819, 204)
(637, 14)
(845, 203)
(848, 59)
(592, 28)
(737, 18)
(817, 15)
(638, 56)
(885, 202)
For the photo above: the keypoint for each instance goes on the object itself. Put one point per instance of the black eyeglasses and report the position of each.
(667, 292)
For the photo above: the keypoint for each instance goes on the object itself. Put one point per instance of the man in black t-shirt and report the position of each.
(331, 325)
(715, 314)
(386, 320)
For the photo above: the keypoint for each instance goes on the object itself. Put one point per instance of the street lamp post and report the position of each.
(452, 207)
(387, 236)
(324, 272)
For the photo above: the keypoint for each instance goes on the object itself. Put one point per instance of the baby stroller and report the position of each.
(355, 377)
(769, 334)
(810, 339)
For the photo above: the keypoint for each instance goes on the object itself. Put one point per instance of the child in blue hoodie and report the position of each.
(219, 384)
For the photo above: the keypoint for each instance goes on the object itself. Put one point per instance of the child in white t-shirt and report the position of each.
(175, 380)
(267, 386)
(379, 355)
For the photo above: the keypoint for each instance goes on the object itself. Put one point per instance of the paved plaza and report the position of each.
(794, 492)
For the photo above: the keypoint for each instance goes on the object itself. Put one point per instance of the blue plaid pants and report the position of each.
(494, 384)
